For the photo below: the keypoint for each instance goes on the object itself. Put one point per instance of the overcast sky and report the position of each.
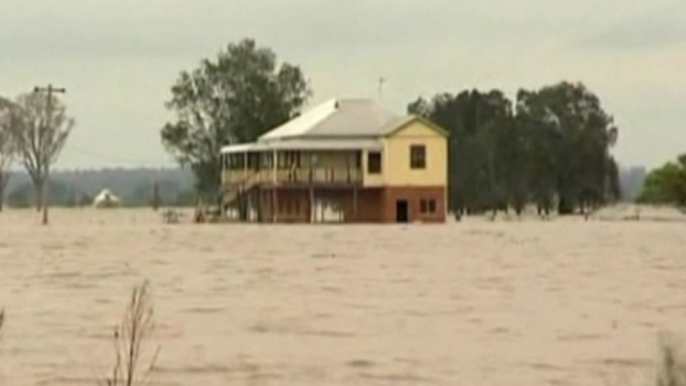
(118, 58)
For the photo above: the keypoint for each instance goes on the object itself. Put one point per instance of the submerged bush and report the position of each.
(672, 370)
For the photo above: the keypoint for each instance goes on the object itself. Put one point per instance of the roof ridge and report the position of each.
(325, 109)
(336, 117)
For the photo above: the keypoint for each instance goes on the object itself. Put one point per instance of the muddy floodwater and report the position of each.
(562, 302)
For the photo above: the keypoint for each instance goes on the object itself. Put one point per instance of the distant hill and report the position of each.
(133, 186)
(631, 180)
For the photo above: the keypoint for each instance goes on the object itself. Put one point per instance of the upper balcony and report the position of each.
(293, 168)
(294, 177)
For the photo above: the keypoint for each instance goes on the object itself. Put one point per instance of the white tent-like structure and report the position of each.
(106, 199)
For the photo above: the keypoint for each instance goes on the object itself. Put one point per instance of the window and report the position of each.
(427, 206)
(374, 162)
(417, 157)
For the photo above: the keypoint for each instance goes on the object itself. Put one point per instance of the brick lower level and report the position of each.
(433, 210)
(369, 205)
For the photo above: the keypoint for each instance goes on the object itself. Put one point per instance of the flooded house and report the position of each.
(346, 160)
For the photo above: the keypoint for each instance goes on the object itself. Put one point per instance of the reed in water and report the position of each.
(130, 341)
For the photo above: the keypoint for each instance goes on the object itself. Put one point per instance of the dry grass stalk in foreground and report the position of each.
(2, 322)
(129, 342)
(672, 370)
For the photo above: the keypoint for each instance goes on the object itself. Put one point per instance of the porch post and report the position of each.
(313, 214)
(355, 204)
(222, 209)
(245, 165)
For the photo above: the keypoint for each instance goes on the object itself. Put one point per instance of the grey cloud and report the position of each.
(180, 28)
(119, 57)
(661, 28)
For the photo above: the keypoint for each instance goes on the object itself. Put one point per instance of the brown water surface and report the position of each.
(563, 302)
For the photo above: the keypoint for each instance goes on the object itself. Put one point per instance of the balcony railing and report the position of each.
(302, 176)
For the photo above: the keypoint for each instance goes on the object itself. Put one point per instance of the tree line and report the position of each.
(666, 184)
(142, 187)
(549, 147)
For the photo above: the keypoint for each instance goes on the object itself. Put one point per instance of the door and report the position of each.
(402, 211)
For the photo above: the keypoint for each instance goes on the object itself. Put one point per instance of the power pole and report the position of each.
(43, 130)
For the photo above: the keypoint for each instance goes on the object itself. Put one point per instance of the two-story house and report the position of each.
(346, 160)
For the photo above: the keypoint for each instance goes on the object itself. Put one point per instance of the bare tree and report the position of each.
(40, 128)
(129, 342)
(6, 146)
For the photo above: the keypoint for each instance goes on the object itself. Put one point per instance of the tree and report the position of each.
(233, 99)
(666, 185)
(553, 144)
(483, 143)
(6, 146)
(540, 168)
(40, 127)
(571, 136)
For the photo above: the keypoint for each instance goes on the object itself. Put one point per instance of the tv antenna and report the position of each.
(382, 81)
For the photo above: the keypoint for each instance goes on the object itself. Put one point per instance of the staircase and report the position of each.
(237, 189)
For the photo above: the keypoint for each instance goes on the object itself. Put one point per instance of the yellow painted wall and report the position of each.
(396, 157)
(372, 180)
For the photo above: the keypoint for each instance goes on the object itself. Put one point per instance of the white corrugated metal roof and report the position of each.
(338, 124)
(305, 144)
(337, 118)
(302, 124)
(243, 147)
